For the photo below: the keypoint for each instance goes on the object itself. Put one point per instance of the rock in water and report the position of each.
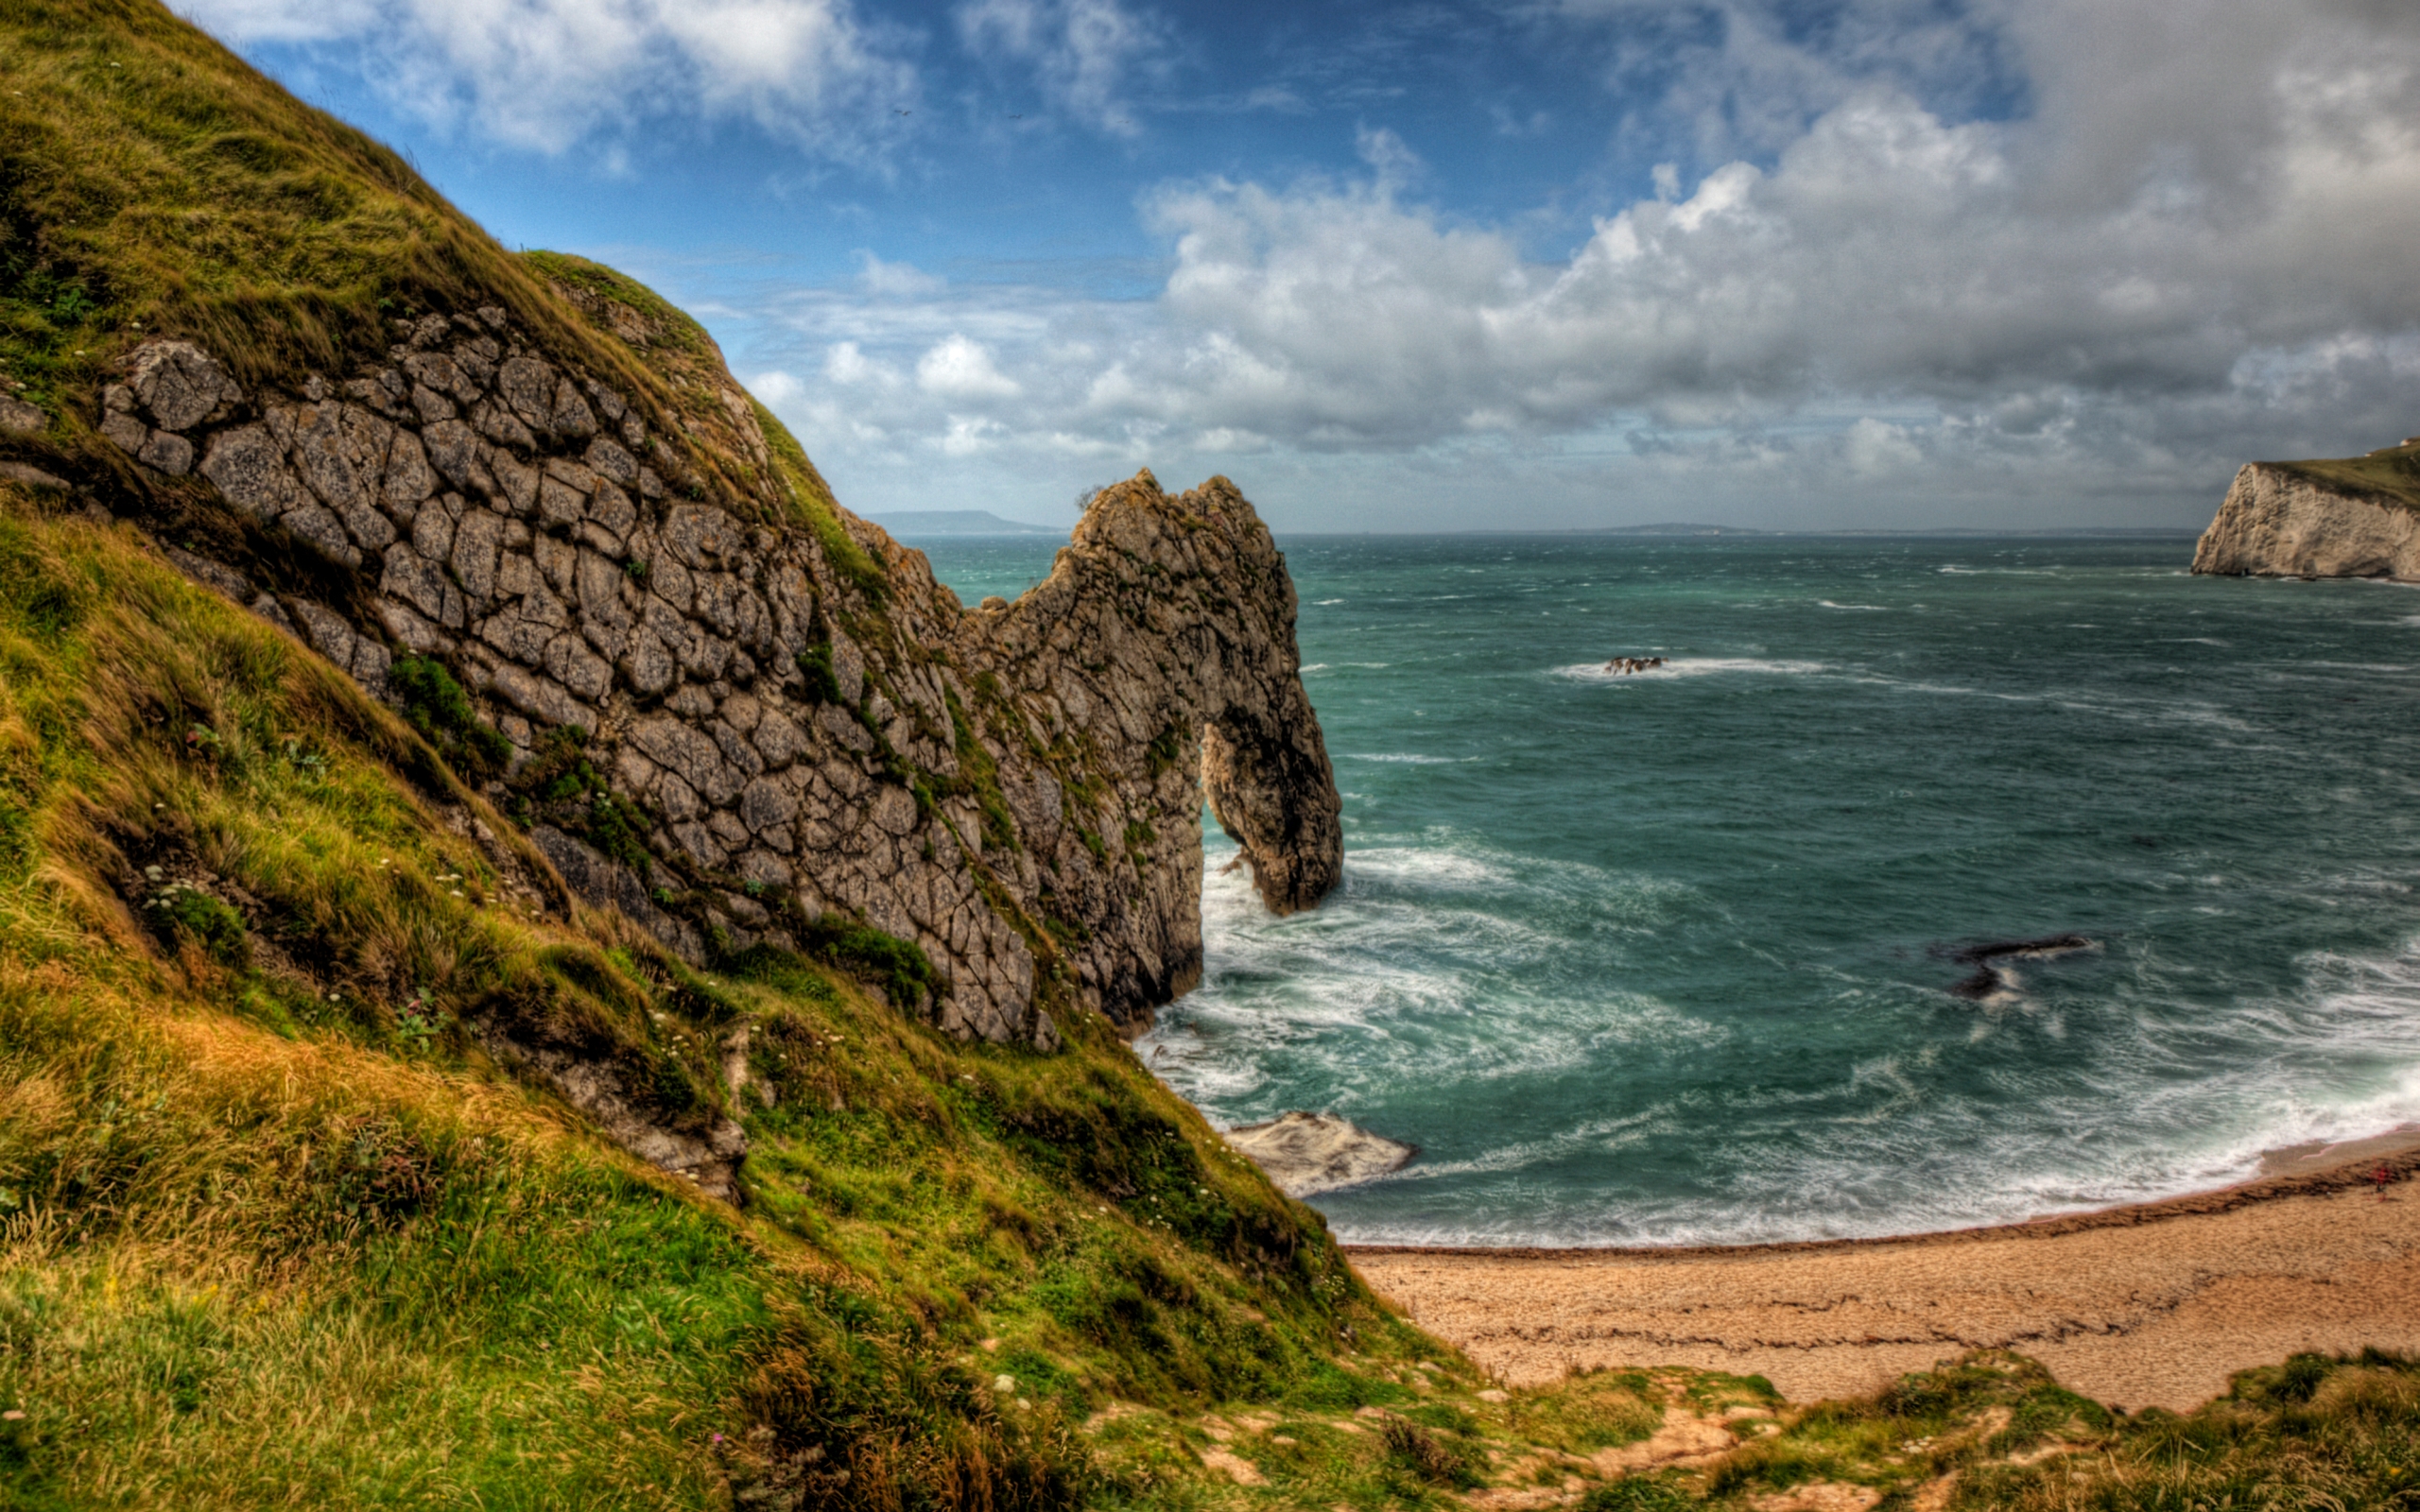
(1305, 1153)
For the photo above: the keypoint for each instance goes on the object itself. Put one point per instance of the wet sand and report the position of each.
(2153, 1305)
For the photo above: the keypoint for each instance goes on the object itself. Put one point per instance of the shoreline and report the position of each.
(2293, 1169)
(2148, 1304)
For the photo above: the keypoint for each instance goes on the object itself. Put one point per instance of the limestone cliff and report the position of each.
(732, 709)
(2353, 518)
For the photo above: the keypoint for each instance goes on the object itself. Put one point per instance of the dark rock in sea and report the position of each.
(2046, 946)
(1978, 986)
(1988, 979)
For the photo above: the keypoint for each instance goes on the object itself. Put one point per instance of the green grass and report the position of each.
(273, 1227)
(815, 507)
(435, 704)
(2392, 474)
(559, 785)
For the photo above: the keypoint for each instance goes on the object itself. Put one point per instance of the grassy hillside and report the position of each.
(275, 1224)
(2392, 473)
(152, 183)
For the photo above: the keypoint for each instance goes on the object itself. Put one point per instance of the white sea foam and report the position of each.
(1403, 758)
(1692, 666)
(1357, 988)
(2142, 1121)
(1602, 1136)
(1876, 609)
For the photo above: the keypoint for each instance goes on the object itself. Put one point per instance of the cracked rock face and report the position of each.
(1017, 789)
(2277, 523)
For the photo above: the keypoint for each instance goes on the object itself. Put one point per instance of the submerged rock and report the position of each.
(1307, 1153)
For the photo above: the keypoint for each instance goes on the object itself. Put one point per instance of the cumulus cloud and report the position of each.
(1886, 250)
(961, 369)
(2193, 239)
(1084, 55)
(544, 73)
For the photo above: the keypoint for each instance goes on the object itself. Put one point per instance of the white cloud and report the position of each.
(1876, 447)
(2193, 246)
(961, 369)
(777, 387)
(847, 364)
(1085, 55)
(544, 73)
(968, 434)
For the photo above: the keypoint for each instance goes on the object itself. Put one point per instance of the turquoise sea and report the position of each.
(1668, 958)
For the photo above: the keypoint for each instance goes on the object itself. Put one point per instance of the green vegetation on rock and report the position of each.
(241, 1195)
(2392, 474)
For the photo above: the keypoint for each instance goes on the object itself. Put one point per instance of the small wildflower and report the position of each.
(11, 1415)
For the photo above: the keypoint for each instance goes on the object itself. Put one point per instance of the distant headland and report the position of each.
(2342, 517)
(906, 523)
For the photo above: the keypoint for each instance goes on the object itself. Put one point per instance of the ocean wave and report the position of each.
(2156, 1122)
(1876, 609)
(1602, 1136)
(1358, 994)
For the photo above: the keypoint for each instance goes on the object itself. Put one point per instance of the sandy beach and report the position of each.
(2152, 1305)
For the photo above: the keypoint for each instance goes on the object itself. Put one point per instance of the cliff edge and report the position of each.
(2353, 517)
(519, 498)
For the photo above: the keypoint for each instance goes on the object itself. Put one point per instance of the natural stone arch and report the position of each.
(528, 548)
(1163, 645)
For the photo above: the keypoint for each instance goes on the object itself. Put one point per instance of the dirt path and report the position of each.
(2148, 1306)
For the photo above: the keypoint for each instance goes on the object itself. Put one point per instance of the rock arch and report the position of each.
(1163, 643)
(1017, 789)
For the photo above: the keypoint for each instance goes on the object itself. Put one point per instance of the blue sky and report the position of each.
(1547, 265)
